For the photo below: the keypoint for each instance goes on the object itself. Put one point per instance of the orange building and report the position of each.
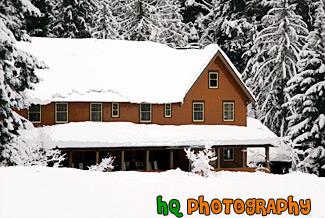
(196, 97)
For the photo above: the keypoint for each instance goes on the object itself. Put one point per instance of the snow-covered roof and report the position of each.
(125, 134)
(116, 70)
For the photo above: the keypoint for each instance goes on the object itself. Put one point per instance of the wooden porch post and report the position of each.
(244, 153)
(171, 158)
(219, 158)
(70, 159)
(122, 161)
(147, 160)
(97, 157)
(267, 156)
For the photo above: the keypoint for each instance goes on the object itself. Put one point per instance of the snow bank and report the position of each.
(39, 192)
(125, 134)
(113, 70)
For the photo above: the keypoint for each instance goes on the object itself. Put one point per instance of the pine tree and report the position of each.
(306, 10)
(73, 18)
(150, 20)
(307, 88)
(224, 22)
(190, 9)
(105, 23)
(16, 69)
(275, 50)
(39, 25)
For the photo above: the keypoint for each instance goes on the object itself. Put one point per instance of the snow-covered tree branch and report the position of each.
(36, 150)
(276, 52)
(307, 102)
(104, 166)
(16, 69)
(200, 161)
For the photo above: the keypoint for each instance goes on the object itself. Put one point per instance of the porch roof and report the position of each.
(125, 134)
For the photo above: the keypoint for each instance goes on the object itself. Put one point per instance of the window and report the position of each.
(213, 80)
(228, 111)
(115, 109)
(228, 154)
(168, 110)
(145, 113)
(96, 112)
(198, 111)
(34, 113)
(61, 112)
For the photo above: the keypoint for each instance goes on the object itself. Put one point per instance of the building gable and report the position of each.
(219, 60)
(230, 89)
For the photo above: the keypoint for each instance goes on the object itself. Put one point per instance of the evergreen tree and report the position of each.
(307, 88)
(273, 63)
(105, 23)
(225, 23)
(256, 9)
(150, 20)
(190, 9)
(16, 69)
(306, 10)
(39, 25)
(73, 18)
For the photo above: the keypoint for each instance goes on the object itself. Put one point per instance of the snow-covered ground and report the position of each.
(40, 192)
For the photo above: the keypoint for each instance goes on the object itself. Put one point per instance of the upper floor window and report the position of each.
(61, 112)
(96, 112)
(228, 154)
(34, 113)
(213, 80)
(115, 109)
(198, 111)
(145, 113)
(168, 110)
(228, 111)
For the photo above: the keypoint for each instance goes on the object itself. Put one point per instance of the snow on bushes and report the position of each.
(105, 166)
(200, 161)
(36, 150)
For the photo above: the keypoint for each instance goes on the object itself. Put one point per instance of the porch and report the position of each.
(232, 158)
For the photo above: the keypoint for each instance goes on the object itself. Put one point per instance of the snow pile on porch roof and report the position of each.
(115, 70)
(125, 134)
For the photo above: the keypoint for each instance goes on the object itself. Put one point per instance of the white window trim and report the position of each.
(197, 102)
(40, 115)
(56, 121)
(118, 109)
(233, 154)
(101, 112)
(146, 121)
(170, 115)
(217, 86)
(233, 111)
